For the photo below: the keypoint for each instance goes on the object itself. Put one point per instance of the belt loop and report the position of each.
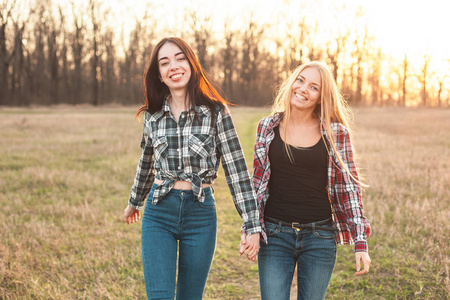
(280, 226)
(313, 227)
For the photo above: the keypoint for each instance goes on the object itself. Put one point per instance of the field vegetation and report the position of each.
(65, 176)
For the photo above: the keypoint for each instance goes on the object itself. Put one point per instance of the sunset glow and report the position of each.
(415, 28)
(380, 51)
(399, 26)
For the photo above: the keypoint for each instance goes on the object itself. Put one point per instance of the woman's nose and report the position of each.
(173, 65)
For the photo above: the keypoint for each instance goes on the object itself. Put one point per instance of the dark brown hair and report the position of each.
(200, 88)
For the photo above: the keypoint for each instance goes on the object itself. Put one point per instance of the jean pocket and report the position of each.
(271, 229)
(325, 234)
(150, 194)
(209, 202)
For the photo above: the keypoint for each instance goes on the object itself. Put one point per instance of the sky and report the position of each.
(400, 27)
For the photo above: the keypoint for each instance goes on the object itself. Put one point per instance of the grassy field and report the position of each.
(65, 176)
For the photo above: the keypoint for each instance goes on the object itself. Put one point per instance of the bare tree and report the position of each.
(6, 8)
(18, 60)
(441, 81)
(361, 44)
(53, 32)
(424, 77)
(228, 62)
(94, 11)
(63, 55)
(296, 36)
(78, 53)
(403, 79)
(314, 52)
(128, 69)
(334, 53)
(109, 80)
(374, 78)
(250, 63)
(201, 31)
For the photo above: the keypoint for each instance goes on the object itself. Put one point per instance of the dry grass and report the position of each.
(65, 177)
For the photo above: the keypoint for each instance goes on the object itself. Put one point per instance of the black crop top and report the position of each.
(298, 190)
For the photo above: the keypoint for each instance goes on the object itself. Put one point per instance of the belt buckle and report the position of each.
(295, 224)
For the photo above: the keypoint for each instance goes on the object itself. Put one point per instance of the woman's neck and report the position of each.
(178, 103)
(178, 100)
(302, 118)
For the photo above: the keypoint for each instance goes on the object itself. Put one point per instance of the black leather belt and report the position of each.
(298, 226)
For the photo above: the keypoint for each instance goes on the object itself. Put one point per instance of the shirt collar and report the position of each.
(276, 119)
(202, 110)
(199, 109)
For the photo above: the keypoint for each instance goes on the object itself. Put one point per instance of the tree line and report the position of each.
(74, 54)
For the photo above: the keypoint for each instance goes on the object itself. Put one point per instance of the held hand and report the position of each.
(250, 245)
(131, 215)
(364, 257)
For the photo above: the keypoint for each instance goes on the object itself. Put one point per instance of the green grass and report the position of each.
(65, 177)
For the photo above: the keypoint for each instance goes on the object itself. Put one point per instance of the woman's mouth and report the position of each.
(302, 98)
(176, 76)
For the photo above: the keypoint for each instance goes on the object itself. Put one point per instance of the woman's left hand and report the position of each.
(131, 215)
(364, 257)
(250, 245)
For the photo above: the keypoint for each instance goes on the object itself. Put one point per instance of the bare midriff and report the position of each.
(182, 185)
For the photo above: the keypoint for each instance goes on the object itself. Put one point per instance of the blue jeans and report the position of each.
(314, 253)
(178, 220)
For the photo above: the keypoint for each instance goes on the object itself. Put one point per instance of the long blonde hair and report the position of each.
(332, 106)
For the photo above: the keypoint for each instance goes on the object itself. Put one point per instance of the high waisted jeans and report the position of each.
(178, 220)
(314, 253)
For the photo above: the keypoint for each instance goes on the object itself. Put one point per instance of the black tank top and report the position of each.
(298, 190)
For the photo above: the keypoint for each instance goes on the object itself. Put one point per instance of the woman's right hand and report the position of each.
(249, 245)
(131, 215)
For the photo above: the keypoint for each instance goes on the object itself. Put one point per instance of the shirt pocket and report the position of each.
(201, 145)
(160, 148)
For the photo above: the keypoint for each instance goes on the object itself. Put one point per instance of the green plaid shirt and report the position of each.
(190, 150)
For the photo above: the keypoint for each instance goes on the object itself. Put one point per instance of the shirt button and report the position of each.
(179, 167)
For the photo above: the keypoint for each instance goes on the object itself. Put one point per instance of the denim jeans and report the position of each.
(178, 222)
(314, 253)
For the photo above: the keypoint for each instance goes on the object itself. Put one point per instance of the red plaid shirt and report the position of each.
(344, 193)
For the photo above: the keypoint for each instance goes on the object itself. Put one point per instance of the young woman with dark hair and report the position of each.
(187, 131)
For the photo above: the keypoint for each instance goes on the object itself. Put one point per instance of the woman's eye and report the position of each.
(315, 89)
(182, 58)
(164, 64)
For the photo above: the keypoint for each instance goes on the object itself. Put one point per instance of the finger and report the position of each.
(252, 252)
(247, 250)
(252, 257)
(243, 239)
(242, 249)
(364, 270)
(366, 266)
(358, 263)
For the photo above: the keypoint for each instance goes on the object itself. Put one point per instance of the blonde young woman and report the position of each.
(307, 186)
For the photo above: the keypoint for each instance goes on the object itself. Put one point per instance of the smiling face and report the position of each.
(306, 89)
(174, 68)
